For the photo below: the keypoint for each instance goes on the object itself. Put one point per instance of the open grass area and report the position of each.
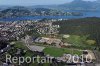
(21, 45)
(57, 52)
(79, 42)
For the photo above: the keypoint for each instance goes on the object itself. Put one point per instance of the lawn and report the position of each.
(57, 52)
(20, 44)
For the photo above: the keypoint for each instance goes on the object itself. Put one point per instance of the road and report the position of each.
(33, 47)
(36, 48)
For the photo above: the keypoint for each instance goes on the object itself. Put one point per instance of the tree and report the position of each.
(3, 44)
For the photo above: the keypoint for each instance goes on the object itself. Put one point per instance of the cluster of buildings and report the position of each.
(13, 30)
(17, 28)
(47, 28)
(52, 41)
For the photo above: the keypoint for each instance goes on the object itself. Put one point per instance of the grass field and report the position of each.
(21, 45)
(57, 52)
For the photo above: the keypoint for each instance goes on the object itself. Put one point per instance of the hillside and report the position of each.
(14, 12)
(20, 11)
(83, 26)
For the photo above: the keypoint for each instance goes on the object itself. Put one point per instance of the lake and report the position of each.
(85, 14)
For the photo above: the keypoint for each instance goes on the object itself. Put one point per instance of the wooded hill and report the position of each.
(83, 26)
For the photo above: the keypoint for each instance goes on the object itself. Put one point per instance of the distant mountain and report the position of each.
(74, 5)
(98, 1)
(4, 7)
(81, 5)
(15, 11)
(44, 10)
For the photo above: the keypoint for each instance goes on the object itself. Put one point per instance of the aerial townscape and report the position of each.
(66, 34)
